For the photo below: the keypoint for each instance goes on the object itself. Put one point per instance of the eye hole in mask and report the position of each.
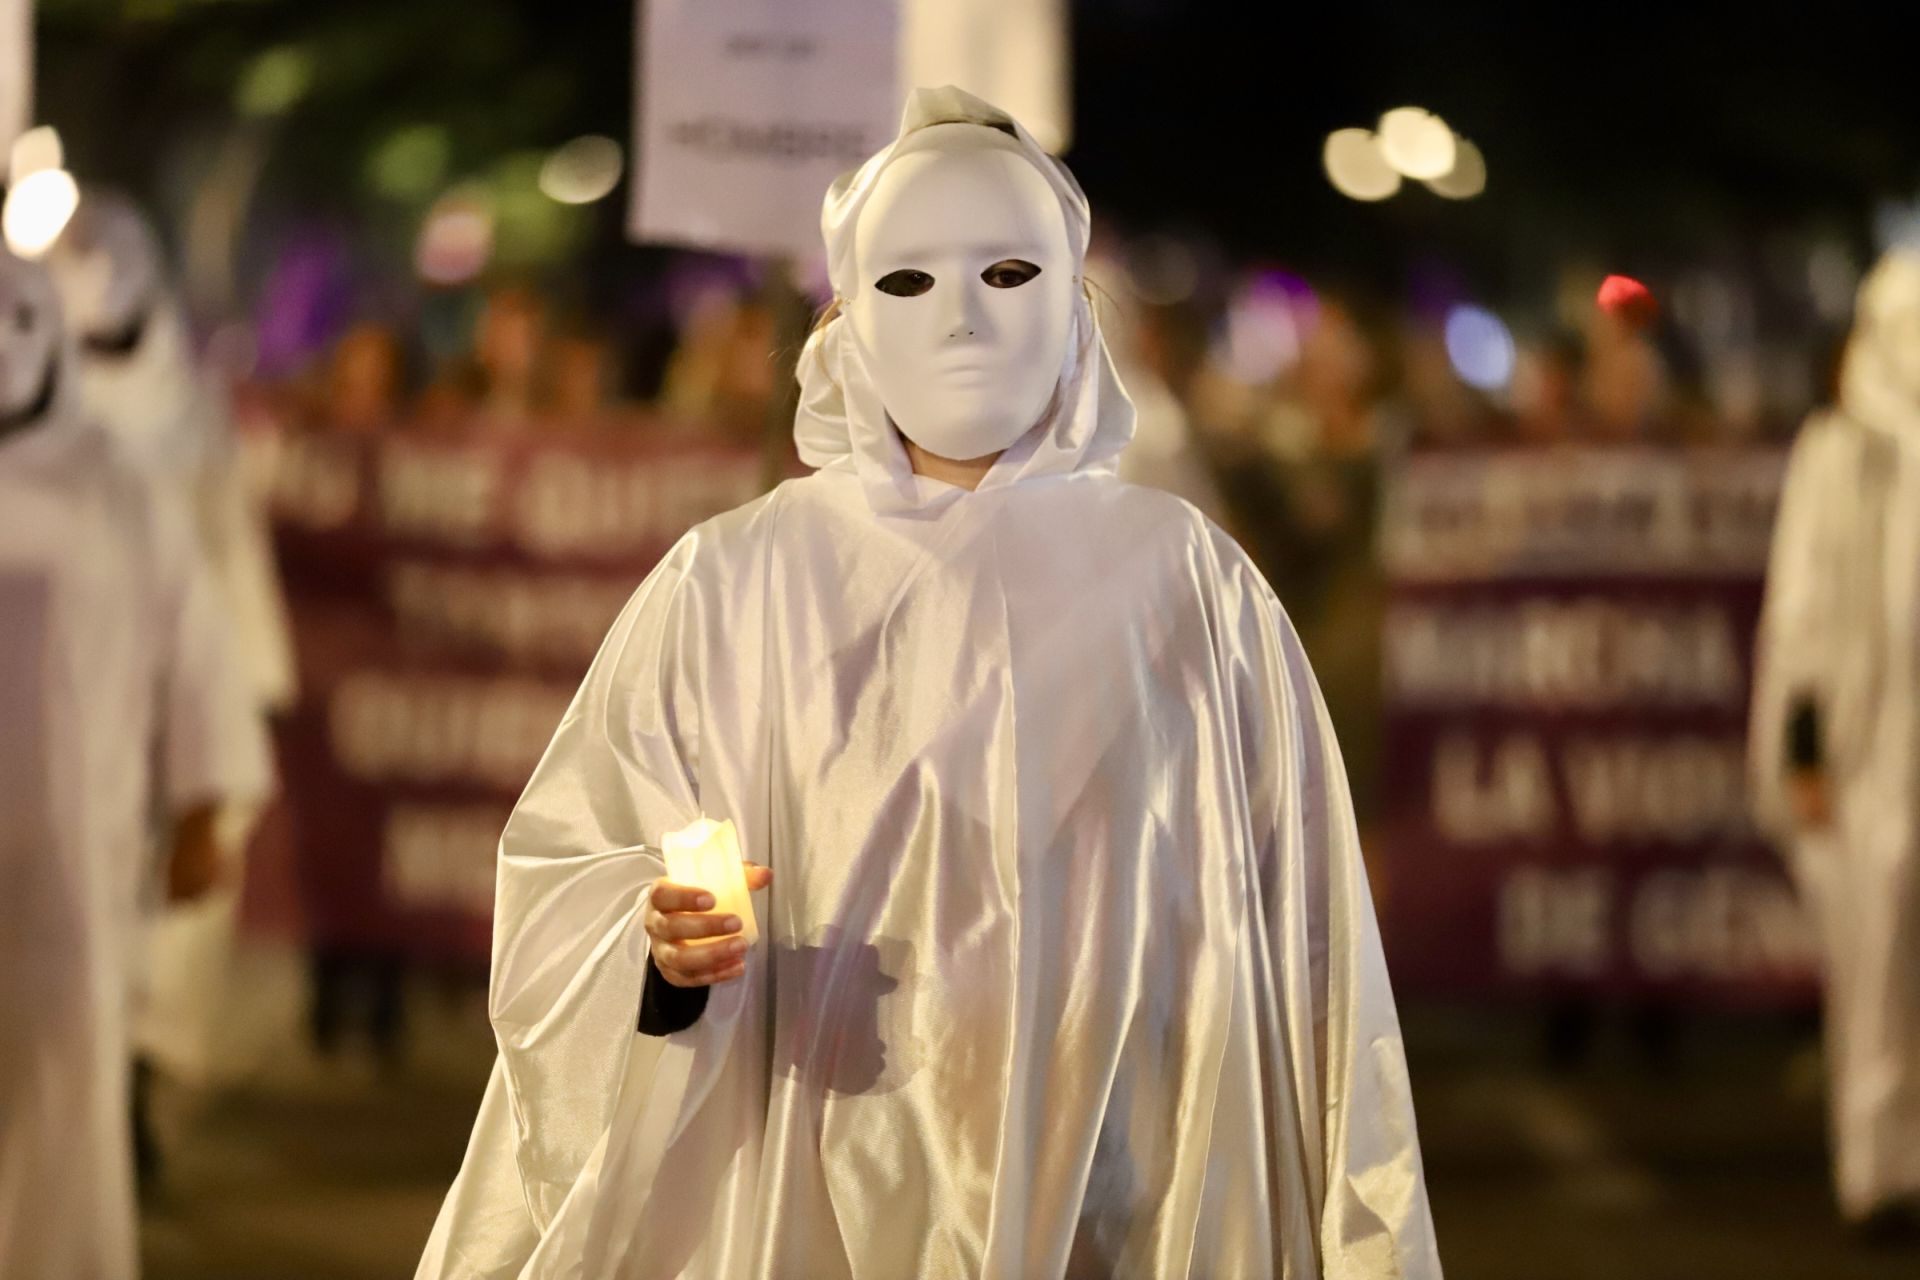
(904, 284)
(908, 283)
(1010, 274)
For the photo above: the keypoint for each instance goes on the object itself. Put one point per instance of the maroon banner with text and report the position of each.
(1567, 658)
(447, 594)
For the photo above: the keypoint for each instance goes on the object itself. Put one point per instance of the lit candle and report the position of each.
(706, 854)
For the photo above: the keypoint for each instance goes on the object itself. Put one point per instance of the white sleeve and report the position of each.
(1803, 616)
(212, 743)
(1334, 1033)
(577, 860)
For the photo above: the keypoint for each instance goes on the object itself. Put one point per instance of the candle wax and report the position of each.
(707, 854)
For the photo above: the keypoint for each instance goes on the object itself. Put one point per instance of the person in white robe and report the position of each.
(113, 703)
(1066, 962)
(137, 377)
(1836, 734)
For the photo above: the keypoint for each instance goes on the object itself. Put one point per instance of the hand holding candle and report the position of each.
(699, 919)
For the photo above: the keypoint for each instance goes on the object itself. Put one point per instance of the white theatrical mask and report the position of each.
(965, 305)
(30, 342)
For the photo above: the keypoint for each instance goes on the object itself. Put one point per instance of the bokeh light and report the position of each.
(456, 240)
(1480, 347)
(1468, 176)
(1161, 270)
(583, 170)
(37, 210)
(1417, 143)
(1264, 327)
(411, 163)
(274, 82)
(1626, 299)
(1357, 167)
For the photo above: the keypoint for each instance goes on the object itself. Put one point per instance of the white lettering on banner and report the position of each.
(527, 616)
(570, 504)
(1607, 512)
(441, 857)
(1719, 922)
(445, 494)
(1639, 788)
(395, 727)
(1590, 653)
(747, 111)
(1722, 923)
(1556, 921)
(1673, 789)
(309, 483)
(1506, 795)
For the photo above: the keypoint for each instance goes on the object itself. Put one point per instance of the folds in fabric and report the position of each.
(1069, 964)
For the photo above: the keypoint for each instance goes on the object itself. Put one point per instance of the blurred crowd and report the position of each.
(1271, 401)
(1262, 362)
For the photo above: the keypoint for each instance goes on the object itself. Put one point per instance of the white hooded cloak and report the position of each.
(114, 704)
(1840, 633)
(1068, 966)
(171, 424)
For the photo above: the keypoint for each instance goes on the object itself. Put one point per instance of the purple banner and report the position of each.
(1567, 658)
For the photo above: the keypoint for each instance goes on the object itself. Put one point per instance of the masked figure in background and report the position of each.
(136, 377)
(114, 705)
(1067, 964)
(1836, 735)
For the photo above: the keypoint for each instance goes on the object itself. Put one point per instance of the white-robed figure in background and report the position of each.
(1067, 963)
(137, 376)
(1836, 732)
(114, 703)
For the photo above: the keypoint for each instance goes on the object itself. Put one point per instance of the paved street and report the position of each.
(1610, 1172)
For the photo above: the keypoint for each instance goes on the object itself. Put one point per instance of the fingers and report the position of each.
(758, 877)
(709, 979)
(700, 964)
(681, 925)
(668, 896)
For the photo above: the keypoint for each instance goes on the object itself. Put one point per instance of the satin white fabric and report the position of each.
(1841, 628)
(108, 267)
(112, 652)
(174, 427)
(176, 432)
(1068, 967)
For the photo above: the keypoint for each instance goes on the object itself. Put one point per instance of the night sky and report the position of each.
(1620, 129)
(1640, 135)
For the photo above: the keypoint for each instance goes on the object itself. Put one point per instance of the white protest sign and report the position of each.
(16, 71)
(748, 109)
(1013, 53)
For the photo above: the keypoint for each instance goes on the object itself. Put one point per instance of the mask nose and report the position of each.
(964, 318)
